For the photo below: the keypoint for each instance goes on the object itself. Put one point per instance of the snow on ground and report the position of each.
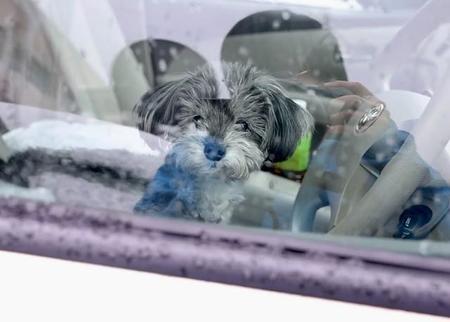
(60, 135)
(108, 144)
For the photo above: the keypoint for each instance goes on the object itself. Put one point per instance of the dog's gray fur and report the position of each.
(259, 122)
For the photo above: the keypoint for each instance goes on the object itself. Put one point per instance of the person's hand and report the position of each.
(345, 107)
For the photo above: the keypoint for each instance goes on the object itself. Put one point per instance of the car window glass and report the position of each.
(301, 117)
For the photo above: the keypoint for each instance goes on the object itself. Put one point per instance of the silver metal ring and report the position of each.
(369, 118)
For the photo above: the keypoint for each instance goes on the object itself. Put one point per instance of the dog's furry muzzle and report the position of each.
(241, 155)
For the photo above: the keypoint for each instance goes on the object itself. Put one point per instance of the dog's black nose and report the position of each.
(214, 151)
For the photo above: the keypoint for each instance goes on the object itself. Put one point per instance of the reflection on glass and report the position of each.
(120, 106)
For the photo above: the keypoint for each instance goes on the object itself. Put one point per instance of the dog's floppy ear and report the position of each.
(288, 122)
(161, 110)
(158, 108)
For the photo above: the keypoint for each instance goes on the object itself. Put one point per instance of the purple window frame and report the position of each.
(231, 255)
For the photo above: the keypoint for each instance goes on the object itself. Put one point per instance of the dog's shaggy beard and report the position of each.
(242, 157)
(198, 187)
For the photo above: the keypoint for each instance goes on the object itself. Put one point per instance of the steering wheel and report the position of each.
(368, 201)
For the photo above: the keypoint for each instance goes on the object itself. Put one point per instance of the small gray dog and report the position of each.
(217, 142)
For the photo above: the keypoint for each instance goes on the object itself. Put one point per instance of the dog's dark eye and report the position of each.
(242, 126)
(198, 121)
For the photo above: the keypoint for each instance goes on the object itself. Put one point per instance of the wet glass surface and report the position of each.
(324, 117)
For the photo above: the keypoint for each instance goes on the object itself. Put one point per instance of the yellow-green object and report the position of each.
(300, 159)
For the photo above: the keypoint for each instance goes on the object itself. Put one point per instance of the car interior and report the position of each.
(70, 110)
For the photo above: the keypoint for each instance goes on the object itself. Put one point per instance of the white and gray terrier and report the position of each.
(218, 142)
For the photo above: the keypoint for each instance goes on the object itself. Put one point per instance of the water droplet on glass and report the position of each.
(417, 199)
(247, 273)
(198, 262)
(380, 156)
(173, 52)
(243, 51)
(162, 65)
(390, 141)
(286, 15)
(276, 24)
